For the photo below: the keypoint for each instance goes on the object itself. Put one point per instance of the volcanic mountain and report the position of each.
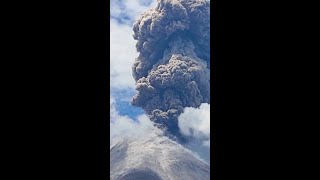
(155, 157)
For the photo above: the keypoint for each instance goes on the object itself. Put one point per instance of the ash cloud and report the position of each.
(172, 70)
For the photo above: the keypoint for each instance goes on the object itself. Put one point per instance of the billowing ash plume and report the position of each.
(173, 66)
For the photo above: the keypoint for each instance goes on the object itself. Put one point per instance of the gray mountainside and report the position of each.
(155, 157)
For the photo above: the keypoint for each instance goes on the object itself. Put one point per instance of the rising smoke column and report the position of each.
(173, 67)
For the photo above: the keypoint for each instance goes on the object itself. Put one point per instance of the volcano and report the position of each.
(155, 157)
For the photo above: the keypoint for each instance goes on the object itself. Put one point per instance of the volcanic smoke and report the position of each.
(173, 67)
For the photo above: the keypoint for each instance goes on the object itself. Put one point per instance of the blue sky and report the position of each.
(123, 13)
(123, 105)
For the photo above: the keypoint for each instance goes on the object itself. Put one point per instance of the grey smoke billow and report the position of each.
(173, 67)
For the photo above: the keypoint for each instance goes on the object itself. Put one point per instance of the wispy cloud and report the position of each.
(123, 52)
(122, 45)
(127, 11)
(122, 55)
(123, 126)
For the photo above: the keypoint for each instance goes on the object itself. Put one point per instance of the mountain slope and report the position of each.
(155, 158)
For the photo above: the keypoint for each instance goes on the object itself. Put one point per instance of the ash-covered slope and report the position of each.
(155, 158)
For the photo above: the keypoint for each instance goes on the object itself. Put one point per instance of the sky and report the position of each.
(126, 120)
(123, 14)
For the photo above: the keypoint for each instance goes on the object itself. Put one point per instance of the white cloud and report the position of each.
(122, 44)
(122, 55)
(135, 7)
(196, 122)
(122, 126)
(131, 9)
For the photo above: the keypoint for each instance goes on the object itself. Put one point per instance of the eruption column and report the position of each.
(172, 70)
